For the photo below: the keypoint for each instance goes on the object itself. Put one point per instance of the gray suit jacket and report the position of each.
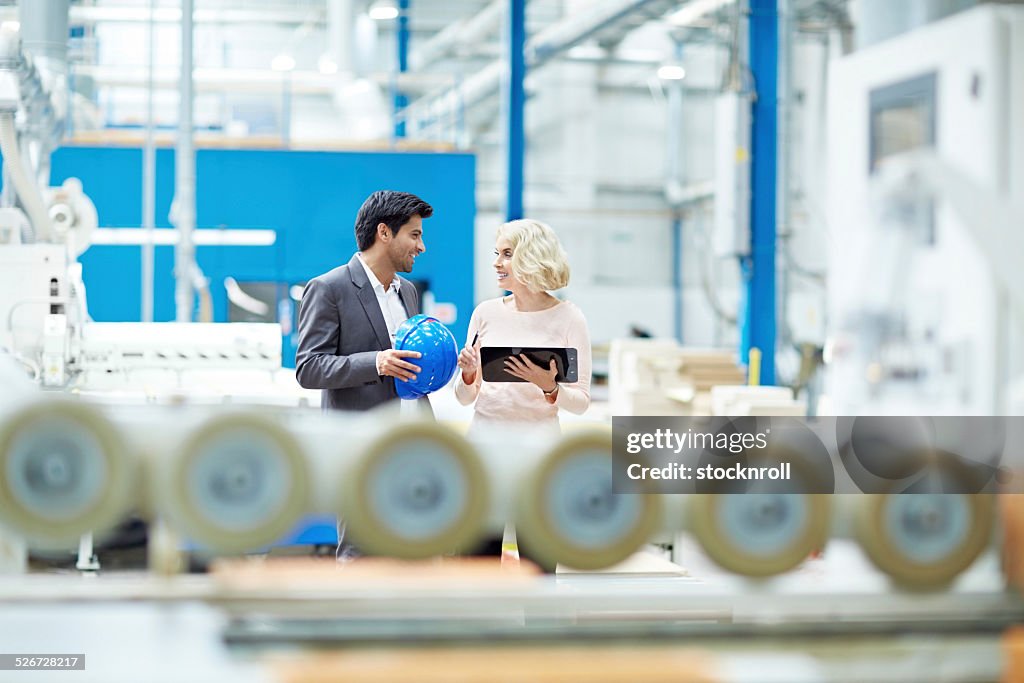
(341, 329)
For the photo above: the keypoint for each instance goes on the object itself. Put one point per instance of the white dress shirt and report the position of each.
(390, 306)
(389, 300)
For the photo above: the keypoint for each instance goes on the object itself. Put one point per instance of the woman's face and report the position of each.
(503, 265)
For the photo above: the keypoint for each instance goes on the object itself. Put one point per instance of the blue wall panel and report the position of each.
(309, 198)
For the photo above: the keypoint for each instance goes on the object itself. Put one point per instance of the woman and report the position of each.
(530, 262)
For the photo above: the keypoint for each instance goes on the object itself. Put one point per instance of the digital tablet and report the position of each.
(492, 358)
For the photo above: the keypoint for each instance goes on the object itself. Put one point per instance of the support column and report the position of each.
(515, 104)
(758, 323)
(402, 41)
(185, 180)
(149, 176)
(673, 187)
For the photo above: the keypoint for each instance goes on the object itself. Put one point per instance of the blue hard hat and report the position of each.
(439, 355)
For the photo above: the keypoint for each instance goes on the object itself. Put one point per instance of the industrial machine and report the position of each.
(43, 302)
(45, 326)
(926, 174)
(44, 315)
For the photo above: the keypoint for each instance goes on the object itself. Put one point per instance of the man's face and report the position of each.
(405, 246)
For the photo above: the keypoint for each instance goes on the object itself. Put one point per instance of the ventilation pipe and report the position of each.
(467, 32)
(44, 36)
(546, 45)
(340, 30)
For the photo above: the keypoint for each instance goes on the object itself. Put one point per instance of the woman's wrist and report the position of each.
(468, 378)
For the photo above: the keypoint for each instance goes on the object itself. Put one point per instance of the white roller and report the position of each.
(239, 481)
(923, 540)
(759, 534)
(72, 214)
(64, 471)
(768, 527)
(568, 513)
(416, 490)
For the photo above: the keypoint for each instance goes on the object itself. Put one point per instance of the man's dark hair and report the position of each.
(393, 209)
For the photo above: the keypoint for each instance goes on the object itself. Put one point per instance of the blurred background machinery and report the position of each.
(936, 322)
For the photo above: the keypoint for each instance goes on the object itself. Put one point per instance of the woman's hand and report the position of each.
(469, 362)
(522, 367)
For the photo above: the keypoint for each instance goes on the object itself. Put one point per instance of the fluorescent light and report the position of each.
(327, 65)
(283, 62)
(671, 72)
(380, 11)
(361, 86)
(238, 237)
(587, 52)
(695, 10)
(11, 26)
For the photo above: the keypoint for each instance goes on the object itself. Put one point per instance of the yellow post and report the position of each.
(754, 367)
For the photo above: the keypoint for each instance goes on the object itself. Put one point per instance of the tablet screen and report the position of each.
(493, 360)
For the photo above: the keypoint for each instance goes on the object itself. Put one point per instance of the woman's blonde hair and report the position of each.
(538, 259)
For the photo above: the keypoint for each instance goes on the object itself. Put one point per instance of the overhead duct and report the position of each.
(229, 79)
(340, 27)
(44, 38)
(468, 32)
(597, 23)
(44, 30)
(172, 15)
(607, 22)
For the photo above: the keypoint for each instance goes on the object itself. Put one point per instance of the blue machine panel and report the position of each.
(309, 198)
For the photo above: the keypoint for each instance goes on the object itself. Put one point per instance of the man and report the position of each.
(348, 317)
